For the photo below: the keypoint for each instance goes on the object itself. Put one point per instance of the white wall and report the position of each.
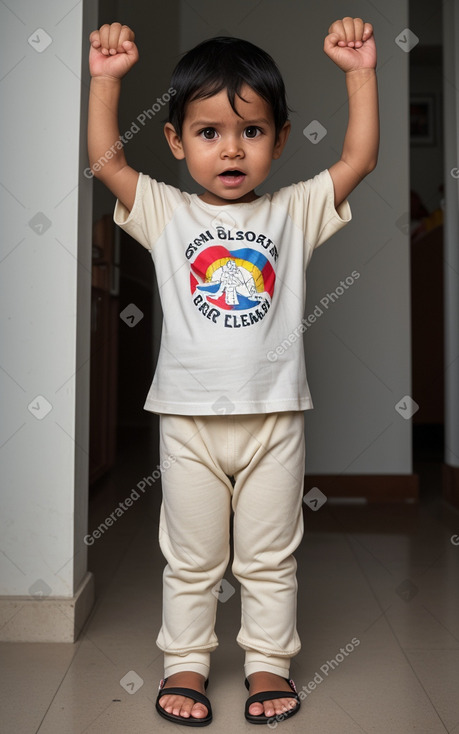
(45, 275)
(358, 352)
(451, 250)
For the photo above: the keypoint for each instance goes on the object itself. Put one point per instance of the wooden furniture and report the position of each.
(104, 350)
(427, 326)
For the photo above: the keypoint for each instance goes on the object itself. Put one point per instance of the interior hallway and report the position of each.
(382, 580)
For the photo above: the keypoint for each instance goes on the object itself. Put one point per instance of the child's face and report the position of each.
(215, 140)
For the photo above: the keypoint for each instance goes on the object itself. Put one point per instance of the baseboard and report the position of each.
(58, 619)
(372, 487)
(450, 481)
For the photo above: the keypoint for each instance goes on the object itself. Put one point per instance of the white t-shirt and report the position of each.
(232, 281)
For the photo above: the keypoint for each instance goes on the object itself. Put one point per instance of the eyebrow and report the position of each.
(246, 123)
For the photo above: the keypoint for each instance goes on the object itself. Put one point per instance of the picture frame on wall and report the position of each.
(422, 119)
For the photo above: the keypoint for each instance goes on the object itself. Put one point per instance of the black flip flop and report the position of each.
(189, 693)
(268, 696)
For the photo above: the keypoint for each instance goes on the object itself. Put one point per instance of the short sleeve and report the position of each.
(153, 207)
(311, 205)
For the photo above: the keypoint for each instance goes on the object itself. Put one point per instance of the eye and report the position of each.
(252, 131)
(209, 133)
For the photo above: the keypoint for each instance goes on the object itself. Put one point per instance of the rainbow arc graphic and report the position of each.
(232, 279)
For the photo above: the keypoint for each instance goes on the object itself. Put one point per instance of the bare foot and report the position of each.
(263, 681)
(181, 705)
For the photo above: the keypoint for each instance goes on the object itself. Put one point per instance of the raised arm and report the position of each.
(350, 44)
(112, 54)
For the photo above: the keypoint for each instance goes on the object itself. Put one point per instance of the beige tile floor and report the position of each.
(383, 576)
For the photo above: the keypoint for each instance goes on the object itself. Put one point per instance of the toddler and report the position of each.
(230, 266)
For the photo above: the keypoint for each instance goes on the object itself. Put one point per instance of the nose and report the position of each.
(232, 147)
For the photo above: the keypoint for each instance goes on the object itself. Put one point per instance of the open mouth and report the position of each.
(232, 178)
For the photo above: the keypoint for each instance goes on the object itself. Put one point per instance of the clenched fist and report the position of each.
(351, 44)
(113, 51)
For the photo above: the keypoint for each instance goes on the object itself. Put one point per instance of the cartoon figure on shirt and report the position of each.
(234, 280)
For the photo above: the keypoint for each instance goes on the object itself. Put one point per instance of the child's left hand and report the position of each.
(351, 45)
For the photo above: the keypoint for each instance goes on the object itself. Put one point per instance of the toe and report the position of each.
(199, 711)
(256, 709)
(269, 708)
(282, 705)
(165, 703)
(181, 706)
(184, 708)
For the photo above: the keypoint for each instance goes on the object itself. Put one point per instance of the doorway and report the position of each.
(426, 233)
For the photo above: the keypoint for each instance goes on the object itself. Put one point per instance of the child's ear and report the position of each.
(281, 140)
(175, 143)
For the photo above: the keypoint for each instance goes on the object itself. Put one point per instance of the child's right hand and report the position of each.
(113, 51)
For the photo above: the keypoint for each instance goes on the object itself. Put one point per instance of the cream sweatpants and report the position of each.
(264, 456)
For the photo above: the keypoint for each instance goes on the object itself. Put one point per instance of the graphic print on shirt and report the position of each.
(240, 280)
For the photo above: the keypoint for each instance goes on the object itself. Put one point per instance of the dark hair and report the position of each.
(226, 63)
